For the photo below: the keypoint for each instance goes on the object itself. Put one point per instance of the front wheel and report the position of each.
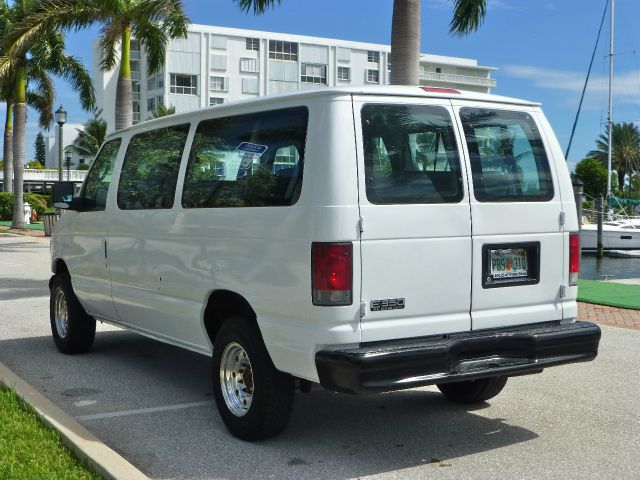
(72, 328)
(473, 391)
(254, 398)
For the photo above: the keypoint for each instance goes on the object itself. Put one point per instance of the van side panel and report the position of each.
(172, 260)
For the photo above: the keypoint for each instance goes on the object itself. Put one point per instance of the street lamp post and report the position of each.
(61, 118)
(67, 157)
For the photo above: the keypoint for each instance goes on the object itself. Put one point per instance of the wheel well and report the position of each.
(60, 267)
(221, 305)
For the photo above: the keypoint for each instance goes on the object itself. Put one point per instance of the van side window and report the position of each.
(410, 155)
(150, 169)
(508, 160)
(251, 160)
(94, 191)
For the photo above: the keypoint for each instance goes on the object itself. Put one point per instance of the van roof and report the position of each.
(422, 91)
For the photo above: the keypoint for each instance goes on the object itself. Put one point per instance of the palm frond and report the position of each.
(40, 92)
(45, 16)
(468, 15)
(75, 74)
(258, 6)
(110, 35)
(154, 40)
(43, 104)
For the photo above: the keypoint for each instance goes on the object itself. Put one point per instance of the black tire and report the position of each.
(271, 391)
(80, 327)
(473, 391)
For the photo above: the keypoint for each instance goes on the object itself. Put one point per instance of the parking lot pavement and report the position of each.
(152, 403)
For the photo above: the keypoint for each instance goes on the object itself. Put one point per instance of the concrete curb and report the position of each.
(83, 443)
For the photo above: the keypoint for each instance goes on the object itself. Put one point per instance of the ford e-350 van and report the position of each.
(367, 239)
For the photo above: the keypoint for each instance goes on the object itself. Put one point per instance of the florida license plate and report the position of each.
(508, 263)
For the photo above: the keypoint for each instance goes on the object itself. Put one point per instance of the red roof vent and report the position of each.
(440, 90)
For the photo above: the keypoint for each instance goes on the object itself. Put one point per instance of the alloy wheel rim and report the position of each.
(236, 379)
(61, 314)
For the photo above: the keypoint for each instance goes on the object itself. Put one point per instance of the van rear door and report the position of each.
(415, 219)
(516, 213)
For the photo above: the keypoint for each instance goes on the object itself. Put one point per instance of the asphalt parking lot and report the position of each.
(152, 403)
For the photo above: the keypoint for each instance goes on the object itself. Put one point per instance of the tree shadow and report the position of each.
(13, 288)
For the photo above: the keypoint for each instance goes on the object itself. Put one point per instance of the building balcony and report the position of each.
(135, 76)
(134, 54)
(458, 79)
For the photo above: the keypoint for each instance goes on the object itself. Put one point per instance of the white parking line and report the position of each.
(141, 411)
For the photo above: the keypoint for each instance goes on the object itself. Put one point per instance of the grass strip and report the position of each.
(609, 293)
(30, 226)
(30, 450)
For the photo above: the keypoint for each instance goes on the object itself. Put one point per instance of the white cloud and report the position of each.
(626, 86)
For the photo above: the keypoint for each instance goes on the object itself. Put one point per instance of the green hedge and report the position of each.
(38, 202)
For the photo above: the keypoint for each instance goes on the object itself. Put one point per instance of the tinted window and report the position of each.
(410, 155)
(508, 160)
(247, 161)
(96, 186)
(150, 169)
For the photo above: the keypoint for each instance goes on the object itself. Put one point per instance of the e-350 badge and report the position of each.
(387, 304)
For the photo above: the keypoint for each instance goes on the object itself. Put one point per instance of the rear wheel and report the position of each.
(254, 398)
(72, 328)
(473, 391)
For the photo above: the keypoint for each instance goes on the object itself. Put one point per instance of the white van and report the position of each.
(367, 239)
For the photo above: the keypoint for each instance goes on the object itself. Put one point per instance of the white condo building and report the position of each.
(217, 64)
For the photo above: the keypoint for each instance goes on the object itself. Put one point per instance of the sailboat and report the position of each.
(622, 233)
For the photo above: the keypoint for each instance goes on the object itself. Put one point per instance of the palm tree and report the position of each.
(91, 136)
(150, 22)
(28, 63)
(625, 150)
(162, 111)
(405, 31)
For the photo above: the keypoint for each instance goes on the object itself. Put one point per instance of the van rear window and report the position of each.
(508, 159)
(410, 155)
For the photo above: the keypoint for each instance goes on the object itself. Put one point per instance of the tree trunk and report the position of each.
(19, 124)
(405, 43)
(621, 175)
(7, 154)
(124, 91)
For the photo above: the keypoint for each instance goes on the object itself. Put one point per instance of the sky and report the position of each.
(541, 49)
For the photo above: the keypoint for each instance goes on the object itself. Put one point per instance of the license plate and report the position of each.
(508, 263)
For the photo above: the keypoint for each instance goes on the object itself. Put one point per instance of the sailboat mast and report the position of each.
(610, 120)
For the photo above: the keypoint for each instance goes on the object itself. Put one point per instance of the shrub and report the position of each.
(38, 202)
(6, 205)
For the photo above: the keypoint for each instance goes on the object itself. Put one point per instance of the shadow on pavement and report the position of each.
(330, 435)
(15, 288)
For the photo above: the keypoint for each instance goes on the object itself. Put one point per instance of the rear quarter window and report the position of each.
(507, 156)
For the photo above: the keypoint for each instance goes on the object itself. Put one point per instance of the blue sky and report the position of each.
(540, 47)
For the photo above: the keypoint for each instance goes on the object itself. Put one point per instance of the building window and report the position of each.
(438, 70)
(218, 84)
(253, 44)
(183, 84)
(159, 100)
(344, 74)
(250, 85)
(373, 76)
(218, 42)
(283, 50)
(151, 104)
(218, 62)
(314, 74)
(373, 57)
(215, 101)
(249, 65)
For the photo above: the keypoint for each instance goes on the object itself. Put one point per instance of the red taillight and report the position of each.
(574, 258)
(332, 273)
(440, 90)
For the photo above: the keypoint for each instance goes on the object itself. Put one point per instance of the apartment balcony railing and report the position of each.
(135, 76)
(458, 79)
(134, 54)
(31, 175)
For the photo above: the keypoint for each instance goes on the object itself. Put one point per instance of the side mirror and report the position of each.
(62, 194)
